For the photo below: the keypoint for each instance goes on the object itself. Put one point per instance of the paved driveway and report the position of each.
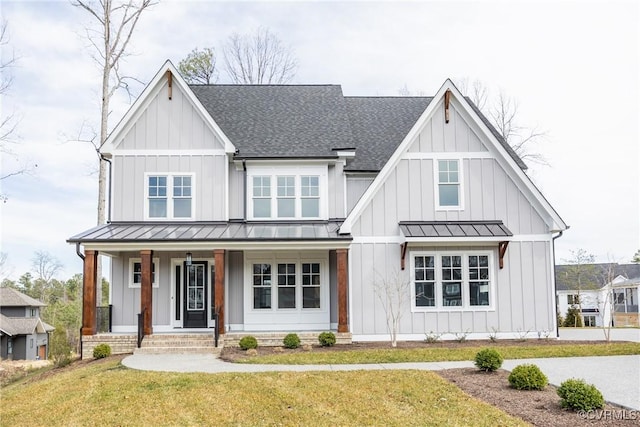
(597, 334)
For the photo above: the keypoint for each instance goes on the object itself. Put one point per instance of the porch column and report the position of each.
(146, 290)
(218, 255)
(343, 276)
(89, 288)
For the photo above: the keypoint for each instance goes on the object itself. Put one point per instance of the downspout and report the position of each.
(555, 285)
(82, 258)
(109, 188)
(244, 188)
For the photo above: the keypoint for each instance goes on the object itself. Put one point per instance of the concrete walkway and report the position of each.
(617, 377)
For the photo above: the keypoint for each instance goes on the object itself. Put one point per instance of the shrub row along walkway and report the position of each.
(617, 377)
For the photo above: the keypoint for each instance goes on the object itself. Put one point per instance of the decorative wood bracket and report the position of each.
(502, 249)
(403, 253)
(447, 99)
(170, 83)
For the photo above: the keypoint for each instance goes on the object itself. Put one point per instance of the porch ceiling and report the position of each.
(212, 232)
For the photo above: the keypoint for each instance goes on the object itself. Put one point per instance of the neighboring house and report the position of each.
(610, 298)
(23, 335)
(282, 206)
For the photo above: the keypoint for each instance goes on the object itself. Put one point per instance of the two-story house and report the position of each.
(23, 335)
(281, 207)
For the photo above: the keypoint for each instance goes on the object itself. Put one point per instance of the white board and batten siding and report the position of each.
(521, 293)
(169, 136)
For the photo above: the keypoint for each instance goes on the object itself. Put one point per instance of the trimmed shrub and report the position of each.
(291, 341)
(327, 339)
(488, 360)
(101, 351)
(580, 396)
(248, 342)
(527, 377)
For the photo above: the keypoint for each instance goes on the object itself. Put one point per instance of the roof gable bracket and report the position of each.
(447, 98)
(502, 249)
(170, 83)
(403, 253)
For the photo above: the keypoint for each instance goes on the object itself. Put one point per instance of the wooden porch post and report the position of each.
(146, 290)
(343, 276)
(89, 287)
(218, 255)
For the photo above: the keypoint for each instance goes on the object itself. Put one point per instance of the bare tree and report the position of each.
(8, 121)
(199, 67)
(110, 38)
(45, 265)
(606, 300)
(394, 293)
(258, 58)
(581, 274)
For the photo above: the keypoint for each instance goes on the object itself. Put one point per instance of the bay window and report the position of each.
(451, 281)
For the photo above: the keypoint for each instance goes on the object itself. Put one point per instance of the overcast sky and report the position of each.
(572, 66)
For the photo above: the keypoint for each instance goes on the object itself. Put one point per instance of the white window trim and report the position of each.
(298, 260)
(169, 176)
(297, 172)
(436, 184)
(156, 282)
(465, 281)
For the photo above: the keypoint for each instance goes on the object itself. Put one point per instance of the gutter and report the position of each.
(555, 286)
(244, 188)
(82, 324)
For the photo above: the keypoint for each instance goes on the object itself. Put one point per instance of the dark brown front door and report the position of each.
(195, 295)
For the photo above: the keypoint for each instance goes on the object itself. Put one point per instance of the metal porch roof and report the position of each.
(440, 229)
(125, 232)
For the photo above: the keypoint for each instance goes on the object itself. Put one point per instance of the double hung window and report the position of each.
(451, 281)
(286, 285)
(287, 193)
(449, 195)
(135, 272)
(169, 196)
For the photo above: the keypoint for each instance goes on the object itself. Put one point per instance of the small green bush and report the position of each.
(488, 360)
(248, 342)
(527, 377)
(101, 351)
(580, 396)
(327, 339)
(291, 341)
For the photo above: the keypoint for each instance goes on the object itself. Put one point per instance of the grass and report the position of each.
(427, 354)
(106, 393)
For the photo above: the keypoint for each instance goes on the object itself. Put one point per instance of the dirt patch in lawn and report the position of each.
(538, 407)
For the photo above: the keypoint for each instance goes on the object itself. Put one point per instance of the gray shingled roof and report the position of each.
(23, 325)
(279, 120)
(594, 275)
(10, 297)
(309, 121)
(379, 125)
(214, 231)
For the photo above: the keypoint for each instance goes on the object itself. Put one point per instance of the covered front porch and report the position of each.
(276, 278)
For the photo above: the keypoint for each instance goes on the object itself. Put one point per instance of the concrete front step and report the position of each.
(179, 344)
(178, 350)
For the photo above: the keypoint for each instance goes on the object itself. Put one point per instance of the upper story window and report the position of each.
(448, 181)
(169, 196)
(451, 281)
(287, 193)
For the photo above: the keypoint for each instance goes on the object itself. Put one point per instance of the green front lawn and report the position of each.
(426, 354)
(106, 393)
